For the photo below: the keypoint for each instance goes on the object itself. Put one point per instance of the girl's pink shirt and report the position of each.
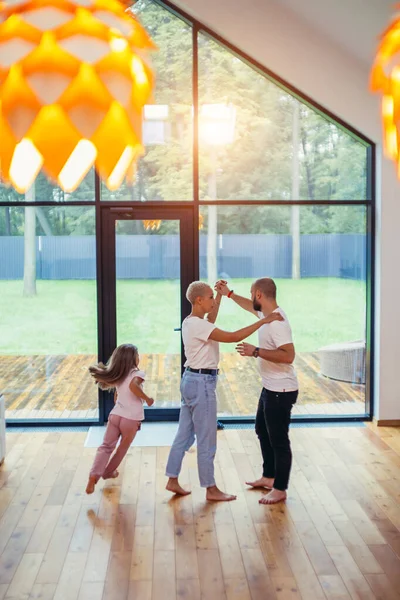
(128, 405)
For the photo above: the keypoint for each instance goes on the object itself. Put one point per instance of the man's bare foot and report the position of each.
(215, 495)
(273, 497)
(263, 482)
(112, 475)
(91, 484)
(174, 487)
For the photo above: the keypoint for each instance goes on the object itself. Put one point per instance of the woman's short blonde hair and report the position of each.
(196, 289)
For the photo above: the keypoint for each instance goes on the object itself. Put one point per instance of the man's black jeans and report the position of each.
(272, 428)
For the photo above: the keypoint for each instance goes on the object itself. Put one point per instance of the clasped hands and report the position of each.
(221, 287)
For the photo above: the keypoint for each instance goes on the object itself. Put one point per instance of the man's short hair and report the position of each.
(196, 289)
(266, 286)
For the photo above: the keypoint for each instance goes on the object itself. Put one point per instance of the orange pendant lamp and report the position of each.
(73, 84)
(385, 79)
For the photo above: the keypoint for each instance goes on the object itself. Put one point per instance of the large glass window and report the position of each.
(48, 312)
(282, 191)
(148, 265)
(254, 136)
(165, 172)
(317, 257)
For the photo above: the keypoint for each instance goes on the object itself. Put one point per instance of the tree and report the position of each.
(30, 245)
(295, 220)
(212, 225)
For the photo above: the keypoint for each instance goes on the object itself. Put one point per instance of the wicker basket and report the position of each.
(343, 361)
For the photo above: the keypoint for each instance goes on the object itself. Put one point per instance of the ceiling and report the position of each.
(355, 25)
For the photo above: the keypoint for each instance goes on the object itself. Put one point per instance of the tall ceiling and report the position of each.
(355, 25)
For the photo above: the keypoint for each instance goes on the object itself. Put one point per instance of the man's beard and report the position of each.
(256, 305)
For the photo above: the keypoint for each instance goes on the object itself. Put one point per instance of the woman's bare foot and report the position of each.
(263, 482)
(273, 497)
(174, 487)
(215, 495)
(91, 484)
(112, 475)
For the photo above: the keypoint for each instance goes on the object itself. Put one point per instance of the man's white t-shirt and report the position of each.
(200, 351)
(277, 377)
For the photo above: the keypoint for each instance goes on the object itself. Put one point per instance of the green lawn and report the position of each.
(61, 319)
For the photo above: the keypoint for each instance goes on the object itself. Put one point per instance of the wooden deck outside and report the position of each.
(51, 387)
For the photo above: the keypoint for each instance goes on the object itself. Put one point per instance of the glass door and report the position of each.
(147, 264)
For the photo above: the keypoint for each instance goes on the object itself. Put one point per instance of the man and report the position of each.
(275, 356)
(198, 415)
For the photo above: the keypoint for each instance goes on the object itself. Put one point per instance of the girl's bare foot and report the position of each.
(273, 497)
(263, 482)
(174, 487)
(91, 484)
(215, 495)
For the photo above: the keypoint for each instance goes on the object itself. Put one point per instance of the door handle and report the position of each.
(177, 329)
(123, 212)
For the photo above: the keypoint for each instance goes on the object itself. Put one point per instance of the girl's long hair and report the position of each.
(122, 361)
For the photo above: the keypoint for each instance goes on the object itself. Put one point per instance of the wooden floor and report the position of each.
(51, 387)
(337, 537)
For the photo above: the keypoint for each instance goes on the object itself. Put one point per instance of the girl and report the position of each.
(122, 373)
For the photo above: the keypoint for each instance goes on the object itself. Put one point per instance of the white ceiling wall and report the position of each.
(355, 25)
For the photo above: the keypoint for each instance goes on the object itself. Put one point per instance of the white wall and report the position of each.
(302, 56)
